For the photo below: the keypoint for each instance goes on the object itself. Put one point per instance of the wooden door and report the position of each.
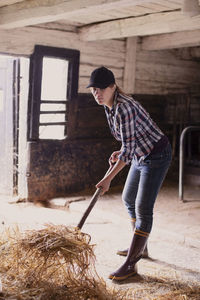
(6, 126)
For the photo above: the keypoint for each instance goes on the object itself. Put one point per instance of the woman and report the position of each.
(145, 147)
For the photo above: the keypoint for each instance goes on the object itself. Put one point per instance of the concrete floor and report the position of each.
(174, 244)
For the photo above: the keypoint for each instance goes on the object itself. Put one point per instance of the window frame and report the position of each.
(35, 79)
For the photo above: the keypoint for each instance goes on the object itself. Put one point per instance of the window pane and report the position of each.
(54, 79)
(48, 118)
(52, 132)
(52, 107)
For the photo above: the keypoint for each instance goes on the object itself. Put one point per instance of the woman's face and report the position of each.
(104, 96)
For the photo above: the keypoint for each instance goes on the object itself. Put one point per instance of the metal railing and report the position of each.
(181, 157)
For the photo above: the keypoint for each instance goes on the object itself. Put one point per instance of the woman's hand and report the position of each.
(110, 174)
(114, 157)
(104, 184)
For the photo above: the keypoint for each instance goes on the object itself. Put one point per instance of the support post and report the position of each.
(130, 65)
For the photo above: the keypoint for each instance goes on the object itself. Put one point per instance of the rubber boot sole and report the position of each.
(121, 278)
(122, 252)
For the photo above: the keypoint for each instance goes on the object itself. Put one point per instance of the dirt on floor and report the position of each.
(173, 268)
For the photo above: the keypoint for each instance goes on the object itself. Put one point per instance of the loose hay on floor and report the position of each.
(56, 262)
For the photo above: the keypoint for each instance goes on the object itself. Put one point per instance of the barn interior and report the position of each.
(55, 141)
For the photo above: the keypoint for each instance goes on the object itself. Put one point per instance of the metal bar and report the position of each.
(53, 102)
(53, 123)
(53, 112)
(181, 158)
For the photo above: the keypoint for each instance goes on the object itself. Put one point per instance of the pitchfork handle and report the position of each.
(91, 205)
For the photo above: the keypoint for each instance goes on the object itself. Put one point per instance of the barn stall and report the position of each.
(55, 145)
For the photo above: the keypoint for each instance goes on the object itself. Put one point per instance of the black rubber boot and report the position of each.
(124, 252)
(136, 249)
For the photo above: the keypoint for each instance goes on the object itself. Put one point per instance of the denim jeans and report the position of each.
(142, 186)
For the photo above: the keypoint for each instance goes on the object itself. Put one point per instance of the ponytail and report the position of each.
(120, 91)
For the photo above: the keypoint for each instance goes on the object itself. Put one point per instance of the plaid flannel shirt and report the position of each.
(132, 125)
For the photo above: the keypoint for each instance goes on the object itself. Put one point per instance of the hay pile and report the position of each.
(183, 292)
(167, 287)
(56, 262)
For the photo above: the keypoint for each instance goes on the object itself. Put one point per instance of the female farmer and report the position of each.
(145, 147)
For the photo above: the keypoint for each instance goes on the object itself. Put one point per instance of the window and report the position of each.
(54, 78)
(52, 122)
(54, 73)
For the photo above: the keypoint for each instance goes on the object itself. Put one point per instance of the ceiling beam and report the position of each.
(171, 40)
(191, 8)
(32, 12)
(140, 26)
(9, 2)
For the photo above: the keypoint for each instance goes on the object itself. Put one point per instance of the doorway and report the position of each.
(13, 119)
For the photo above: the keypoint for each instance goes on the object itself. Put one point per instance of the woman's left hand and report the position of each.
(104, 184)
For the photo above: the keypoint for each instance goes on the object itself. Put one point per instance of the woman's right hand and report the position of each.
(104, 184)
(114, 157)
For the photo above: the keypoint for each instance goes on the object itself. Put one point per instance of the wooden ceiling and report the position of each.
(161, 24)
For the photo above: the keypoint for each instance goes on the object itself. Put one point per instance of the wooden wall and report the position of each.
(149, 72)
(94, 54)
(165, 72)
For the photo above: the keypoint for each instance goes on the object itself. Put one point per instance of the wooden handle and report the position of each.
(88, 210)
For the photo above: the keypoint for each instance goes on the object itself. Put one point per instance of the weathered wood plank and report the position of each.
(130, 65)
(167, 73)
(147, 25)
(85, 70)
(101, 60)
(170, 4)
(22, 41)
(172, 40)
(160, 6)
(152, 87)
(166, 57)
(33, 12)
(9, 2)
(191, 8)
(58, 26)
(123, 10)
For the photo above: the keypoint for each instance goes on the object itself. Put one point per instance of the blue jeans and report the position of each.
(142, 186)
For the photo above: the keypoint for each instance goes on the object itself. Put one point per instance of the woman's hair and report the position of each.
(120, 91)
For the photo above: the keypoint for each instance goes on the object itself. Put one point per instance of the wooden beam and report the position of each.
(140, 26)
(191, 8)
(130, 65)
(172, 40)
(31, 12)
(9, 2)
(57, 26)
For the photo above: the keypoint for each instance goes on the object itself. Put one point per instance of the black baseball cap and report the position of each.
(101, 78)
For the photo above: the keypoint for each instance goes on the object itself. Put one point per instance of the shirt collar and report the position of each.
(113, 109)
